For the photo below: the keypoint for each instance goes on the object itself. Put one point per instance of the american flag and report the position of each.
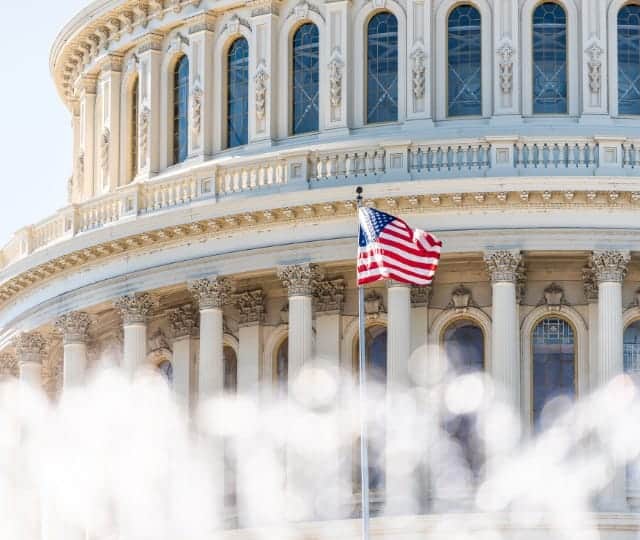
(389, 249)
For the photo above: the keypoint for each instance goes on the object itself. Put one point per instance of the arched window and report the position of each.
(180, 110)
(629, 60)
(631, 347)
(282, 369)
(306, 77)
(549, 59)
(133, 127)
(382, 68)
(463, 343)
(553, 363)
(376, 356)
(230, 370)
(238, 93)
(464, 72)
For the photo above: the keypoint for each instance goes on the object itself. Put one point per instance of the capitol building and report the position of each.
(210, 227)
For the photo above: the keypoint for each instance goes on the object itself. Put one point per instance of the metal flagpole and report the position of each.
(364, 457)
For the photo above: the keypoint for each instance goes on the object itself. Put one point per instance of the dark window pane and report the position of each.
(180, 110)
(629, 60)
(553, 363)
(382, 68)
(282, 368)
(238, 93)
(549, 59)
(306, 78)
(464, 46)
(230, 370)
(133, 141)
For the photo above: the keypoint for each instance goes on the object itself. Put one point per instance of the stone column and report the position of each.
(610, 268)
(109, 137)
(503, 267)
(30, 350)
(300, 281)
(212, 294)
(184, 330)
(74, 328)
(86, 154)
(135, 310)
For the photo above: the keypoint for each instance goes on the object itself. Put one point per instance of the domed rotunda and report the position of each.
(210, 229)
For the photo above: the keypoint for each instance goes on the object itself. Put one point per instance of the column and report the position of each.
(610, 268)
(212, 294)
(503, 267)
(184, 330)
(399, 477)
(86, 153)
(300, 281)
(74, 328)
(30, 350)
(109, 142)
(135, 310)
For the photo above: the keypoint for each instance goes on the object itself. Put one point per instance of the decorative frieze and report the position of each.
(30, 347)
(250, 304)
(183, 321)
(74, 327)
(300, 279)
(610, 266)
(212, 293)
(503, 265)
(135, 308)
(329, 296)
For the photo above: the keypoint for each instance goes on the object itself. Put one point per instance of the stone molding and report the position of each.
(135, 308)
(183, 321)
(329, 296)
(74, 327)
(503, 265)
(251, 306)
(300, 279)
(30, 347)
(213, 293)
(610, 266)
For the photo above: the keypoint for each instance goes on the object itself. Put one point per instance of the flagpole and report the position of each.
(364, 457)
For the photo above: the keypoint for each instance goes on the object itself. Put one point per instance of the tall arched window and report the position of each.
(133, 127)
(553, 363)
(629, 60)
(464, 72)
(463, 343)
(181, 110)
(306, 77)
(238, 93)
(282, 369)
(550, 59)
(382, 68)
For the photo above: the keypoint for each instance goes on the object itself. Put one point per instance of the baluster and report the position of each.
(430, 159)
(319, 169)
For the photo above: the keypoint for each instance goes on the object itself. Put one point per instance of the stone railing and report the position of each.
(332, 164)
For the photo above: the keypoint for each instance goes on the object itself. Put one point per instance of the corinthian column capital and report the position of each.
(30, 347)
(610, 266)
(183, 321)
(74, 327)
(300, 279)
(135, 308)
(251, 306)
(212, 293)
(503, 265)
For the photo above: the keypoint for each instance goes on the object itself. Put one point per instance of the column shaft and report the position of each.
(505, 363)
(74, 364)
(135, 347)
(211, 364)
(184, 361)
(300, 336)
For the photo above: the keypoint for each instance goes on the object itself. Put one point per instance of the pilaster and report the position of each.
(183, 323)
(593, 52)
(109, 138)
(135, 310)
(86, 154)
(337, 98)
(506, 40)
(419, 59)
(251, 306)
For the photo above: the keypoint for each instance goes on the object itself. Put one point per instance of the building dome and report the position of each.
(211, 211)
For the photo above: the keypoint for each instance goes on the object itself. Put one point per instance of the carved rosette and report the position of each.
(8, 365)
(212, 293)
(300, 279)
(74, 327)
(135, 308)
(250, 304)
(610, 266)
(183, 321)
(329, 296)
(421, 295)
(31, 347)
(503, 265)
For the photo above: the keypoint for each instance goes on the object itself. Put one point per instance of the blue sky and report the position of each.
(35, 135)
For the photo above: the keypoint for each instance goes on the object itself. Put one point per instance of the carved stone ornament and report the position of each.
(373, 304)
(300, 279)
(329, 296)
(158, 342)
(418, 70)
(8, 365)
(30, 347)
(135, 308)
(132, 64)
(250, 304)
(196, 109)
(212, 293)
(301, 10)
(594, 52)
(336, 66)
(105, 140)
(503, 265)
(421, 296)
(74, 327)
(461, 298)
(145, 115)
(506, 52)
(234, 23)
(177, 44)
(590, 284)
(80, 164)
(260, 79)
(183, 321)
(610, 266)
(553, 296)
